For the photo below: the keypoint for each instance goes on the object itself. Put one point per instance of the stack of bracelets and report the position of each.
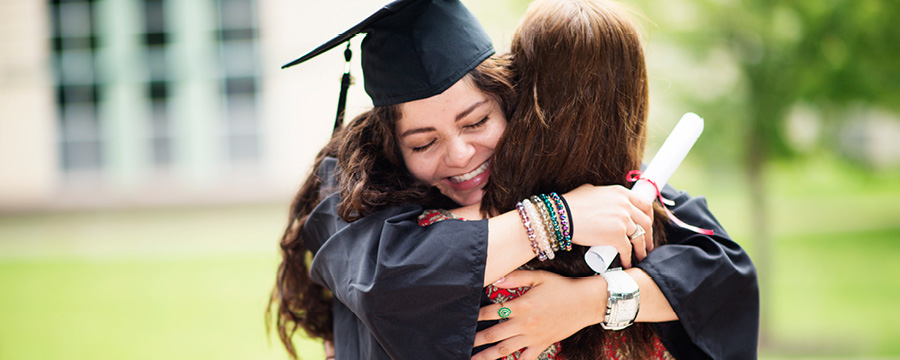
(548, 223)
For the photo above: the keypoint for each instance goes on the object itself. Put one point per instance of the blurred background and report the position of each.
(149, 150)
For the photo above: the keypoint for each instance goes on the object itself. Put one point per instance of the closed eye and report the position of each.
(478, 124)
(423, 147)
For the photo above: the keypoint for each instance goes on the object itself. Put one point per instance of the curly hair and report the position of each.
(373, 176)
(296, 300)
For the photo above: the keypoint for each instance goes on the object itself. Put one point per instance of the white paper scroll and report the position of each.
(661, 168)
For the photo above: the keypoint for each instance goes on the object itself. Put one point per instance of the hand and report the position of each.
(547, 313)
(329, 350)
(607, 215)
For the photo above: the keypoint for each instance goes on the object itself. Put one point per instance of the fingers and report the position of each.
(519, 278)
(639, 242)
(624, 215)
(492, 312)
(646, 221)
(532, 353)
(502, 349)
(624, 248)
(648, 236)
(510, 346)
(613, 214)
(645, 206)
(497, 333)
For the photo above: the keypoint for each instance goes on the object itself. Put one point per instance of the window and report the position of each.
(239, 54)
(77, 91)
(157, 86)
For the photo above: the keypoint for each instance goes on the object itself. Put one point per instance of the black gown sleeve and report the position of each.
(711, 284)
(405, 292)
(402, 291)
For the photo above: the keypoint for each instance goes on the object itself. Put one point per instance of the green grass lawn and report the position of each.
(833, 280)
(184, 283)
(193, 283)
(137, 309)
(836, 294)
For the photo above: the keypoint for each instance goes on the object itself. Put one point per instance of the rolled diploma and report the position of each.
(661, 168)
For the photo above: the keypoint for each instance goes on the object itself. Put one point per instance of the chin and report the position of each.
(469, 199)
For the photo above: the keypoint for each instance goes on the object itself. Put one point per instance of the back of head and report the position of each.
(580, 118)
(582, 102)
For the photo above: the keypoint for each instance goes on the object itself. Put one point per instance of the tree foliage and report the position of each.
(830, 54)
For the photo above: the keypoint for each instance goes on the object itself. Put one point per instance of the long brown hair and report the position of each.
(295, 300)
(373, 176)
(581, 118)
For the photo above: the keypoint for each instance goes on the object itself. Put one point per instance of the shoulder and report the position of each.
(432, 216)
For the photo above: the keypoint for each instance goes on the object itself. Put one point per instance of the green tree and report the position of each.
(833, 55)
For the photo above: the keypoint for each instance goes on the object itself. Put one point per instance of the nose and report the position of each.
(459, 152)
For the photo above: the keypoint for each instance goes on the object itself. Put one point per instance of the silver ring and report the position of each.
(637, 232)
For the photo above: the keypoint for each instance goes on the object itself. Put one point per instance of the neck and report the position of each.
(470, 212)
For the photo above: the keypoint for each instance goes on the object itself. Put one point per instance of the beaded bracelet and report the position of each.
(539, 231)
(548, 223)
(554, 222)
(530, 231)
(544, 211)
(568, 227)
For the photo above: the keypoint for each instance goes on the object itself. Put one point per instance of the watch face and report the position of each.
(628, 308)
(624, 300)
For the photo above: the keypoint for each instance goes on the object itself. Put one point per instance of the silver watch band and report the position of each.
(624, 300)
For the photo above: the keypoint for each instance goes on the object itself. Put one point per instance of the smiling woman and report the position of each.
(375, 273)
(447, 140)
(440, 101)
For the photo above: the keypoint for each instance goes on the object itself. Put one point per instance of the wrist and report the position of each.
(624, 300)
(505, 249)
(595, 300)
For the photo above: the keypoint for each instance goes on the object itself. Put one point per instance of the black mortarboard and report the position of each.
(414, 49)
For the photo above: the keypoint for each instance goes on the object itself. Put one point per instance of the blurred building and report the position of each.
(124, 102)
(142, 102)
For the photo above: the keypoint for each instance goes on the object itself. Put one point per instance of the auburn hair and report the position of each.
(580, 119)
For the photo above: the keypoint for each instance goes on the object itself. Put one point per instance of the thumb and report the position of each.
(520, 278)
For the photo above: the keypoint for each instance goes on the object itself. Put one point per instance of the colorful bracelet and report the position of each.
(548, 223)
(530, 231)
(562, 207)
(554, 214)
(539, 231)
(546, 219)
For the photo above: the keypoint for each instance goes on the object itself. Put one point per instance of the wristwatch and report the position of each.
(624, 300)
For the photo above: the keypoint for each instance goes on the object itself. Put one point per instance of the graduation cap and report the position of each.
(413, 49)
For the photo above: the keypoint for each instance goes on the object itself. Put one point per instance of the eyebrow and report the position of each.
(468, 111)
(459, 117)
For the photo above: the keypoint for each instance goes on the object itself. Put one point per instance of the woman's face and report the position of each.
(448, 140)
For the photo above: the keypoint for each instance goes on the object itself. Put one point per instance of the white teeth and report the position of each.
(473, 173)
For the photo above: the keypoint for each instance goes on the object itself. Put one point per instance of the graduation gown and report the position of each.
(711, 284)
(403, 291)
